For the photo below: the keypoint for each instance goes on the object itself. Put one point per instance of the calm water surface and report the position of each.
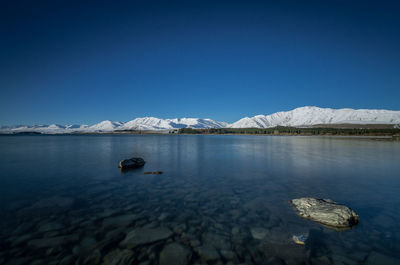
(221, 200)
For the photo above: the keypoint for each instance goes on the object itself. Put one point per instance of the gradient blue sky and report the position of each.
(87, 61)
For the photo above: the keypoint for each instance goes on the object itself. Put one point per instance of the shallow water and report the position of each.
(221, 199)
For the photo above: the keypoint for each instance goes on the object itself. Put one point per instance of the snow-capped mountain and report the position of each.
(37, 128)
(199, 123)
(306, 116)
(105, 126)
(144, 124)
(151, 123)
(76, 126)
(48, 129)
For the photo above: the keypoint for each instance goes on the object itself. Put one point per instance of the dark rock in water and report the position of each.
(49, 227)
(67, 260)
(258, 232)
(119, 257)
(175, 254)
(143, 236)
(378, 258)
(53, 202)
(153, 172)
(134, 162)
(120, 220)
(217, 241)
(91, 259)
(52, 241)
(326, 212)
(229, 255)
(207, 253)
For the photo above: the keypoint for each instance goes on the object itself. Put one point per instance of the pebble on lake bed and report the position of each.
(325, 211)
(153, 172)
(300, 240)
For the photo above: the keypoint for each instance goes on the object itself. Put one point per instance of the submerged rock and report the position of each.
(88, 242)
(52, 241)
(53, 204)
(300, 240)
(216, 240)
(325, 211)
(175, 254)
(134, 162)
(207, 253)
(120, 221)
(379, 258)
(118, 257)
(91, 259)
(49, 227)
(258, 232)
(142, 236)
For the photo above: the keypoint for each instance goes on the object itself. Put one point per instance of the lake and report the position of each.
(220, 200)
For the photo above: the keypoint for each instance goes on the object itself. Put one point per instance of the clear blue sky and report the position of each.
(87, 61)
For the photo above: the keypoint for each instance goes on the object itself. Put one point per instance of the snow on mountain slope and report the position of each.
(151, 123)
(104, 126)
(47, 129)
(77, 127)
(305, 116)
(53, 128)
(196, 123)
(146, 123)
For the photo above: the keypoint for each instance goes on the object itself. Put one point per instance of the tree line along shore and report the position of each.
(281, 130)
(393, 133)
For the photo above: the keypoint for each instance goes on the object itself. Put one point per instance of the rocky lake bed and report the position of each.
(181, 217)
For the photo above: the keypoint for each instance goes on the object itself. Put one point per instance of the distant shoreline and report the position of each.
(343, 137)
(378, 133)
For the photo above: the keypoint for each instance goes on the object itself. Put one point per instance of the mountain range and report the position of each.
(308, 116)
(299, 117)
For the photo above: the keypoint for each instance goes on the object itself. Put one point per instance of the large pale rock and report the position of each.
(134, 162)
(143, 236)
(325, 211)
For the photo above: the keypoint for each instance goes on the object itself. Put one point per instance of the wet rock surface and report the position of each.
(325, 211)
(135, 162)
